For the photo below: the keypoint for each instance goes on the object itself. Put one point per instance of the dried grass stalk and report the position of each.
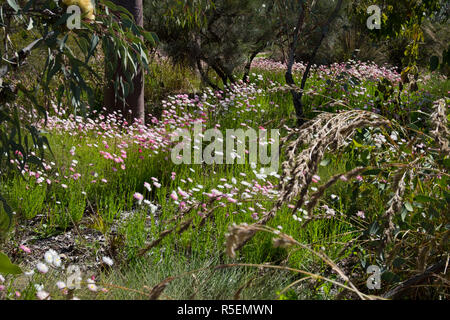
(237, 235)
(157, 290)
(440, 132)
(328, 132)
(396, 202)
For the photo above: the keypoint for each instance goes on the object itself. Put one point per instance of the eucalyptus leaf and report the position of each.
(13, 4)
(409, 206)
(6, 267)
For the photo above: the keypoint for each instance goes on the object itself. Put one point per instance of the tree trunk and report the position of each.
(325, 29)
(409, 284)
(204, 75)
(298, 94)
(223, 76)
(249, 63)
(135, 99)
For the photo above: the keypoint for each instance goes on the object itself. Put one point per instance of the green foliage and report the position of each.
(167, 78)
(228, 33)
(401, 19)
(404, 155)
(33, 203)
(68, 63)
(6, 267)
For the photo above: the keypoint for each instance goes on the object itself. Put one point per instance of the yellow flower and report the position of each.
(85, 6)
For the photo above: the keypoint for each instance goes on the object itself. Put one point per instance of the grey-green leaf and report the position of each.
(409, 206)
(13, 4)
(6, 267)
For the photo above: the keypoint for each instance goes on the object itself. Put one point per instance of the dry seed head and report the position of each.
(236, 236)
(440, 127)
(284, 241)
(328, 132)
(396, 202)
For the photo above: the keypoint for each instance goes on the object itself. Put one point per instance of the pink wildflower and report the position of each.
(174, 196)
(25, 249)
(232, 200)
(147, 186)
(139, 197)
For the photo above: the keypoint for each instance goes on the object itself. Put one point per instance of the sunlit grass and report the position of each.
(83, 188)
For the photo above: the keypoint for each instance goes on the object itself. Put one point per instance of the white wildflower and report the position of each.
(42, 295)
(42, 267)
(39, 287)
(108, 261)
(61, 285)
(52, 258)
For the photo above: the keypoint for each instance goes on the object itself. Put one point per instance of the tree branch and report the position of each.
(416, 280)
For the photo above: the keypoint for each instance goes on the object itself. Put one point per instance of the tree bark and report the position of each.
(407, 285)
(249, 63)
(223, 76)
(204, 75)
(297, 95)
(135, 99)
(325, 30)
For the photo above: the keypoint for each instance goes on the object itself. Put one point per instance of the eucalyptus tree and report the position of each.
(314, 20)
(228, 36)
(308, 18)
(403, 18)
(131, 99)
(68, 74)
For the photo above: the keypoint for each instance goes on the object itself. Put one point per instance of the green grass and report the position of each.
(206, 283)
(201, 246)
